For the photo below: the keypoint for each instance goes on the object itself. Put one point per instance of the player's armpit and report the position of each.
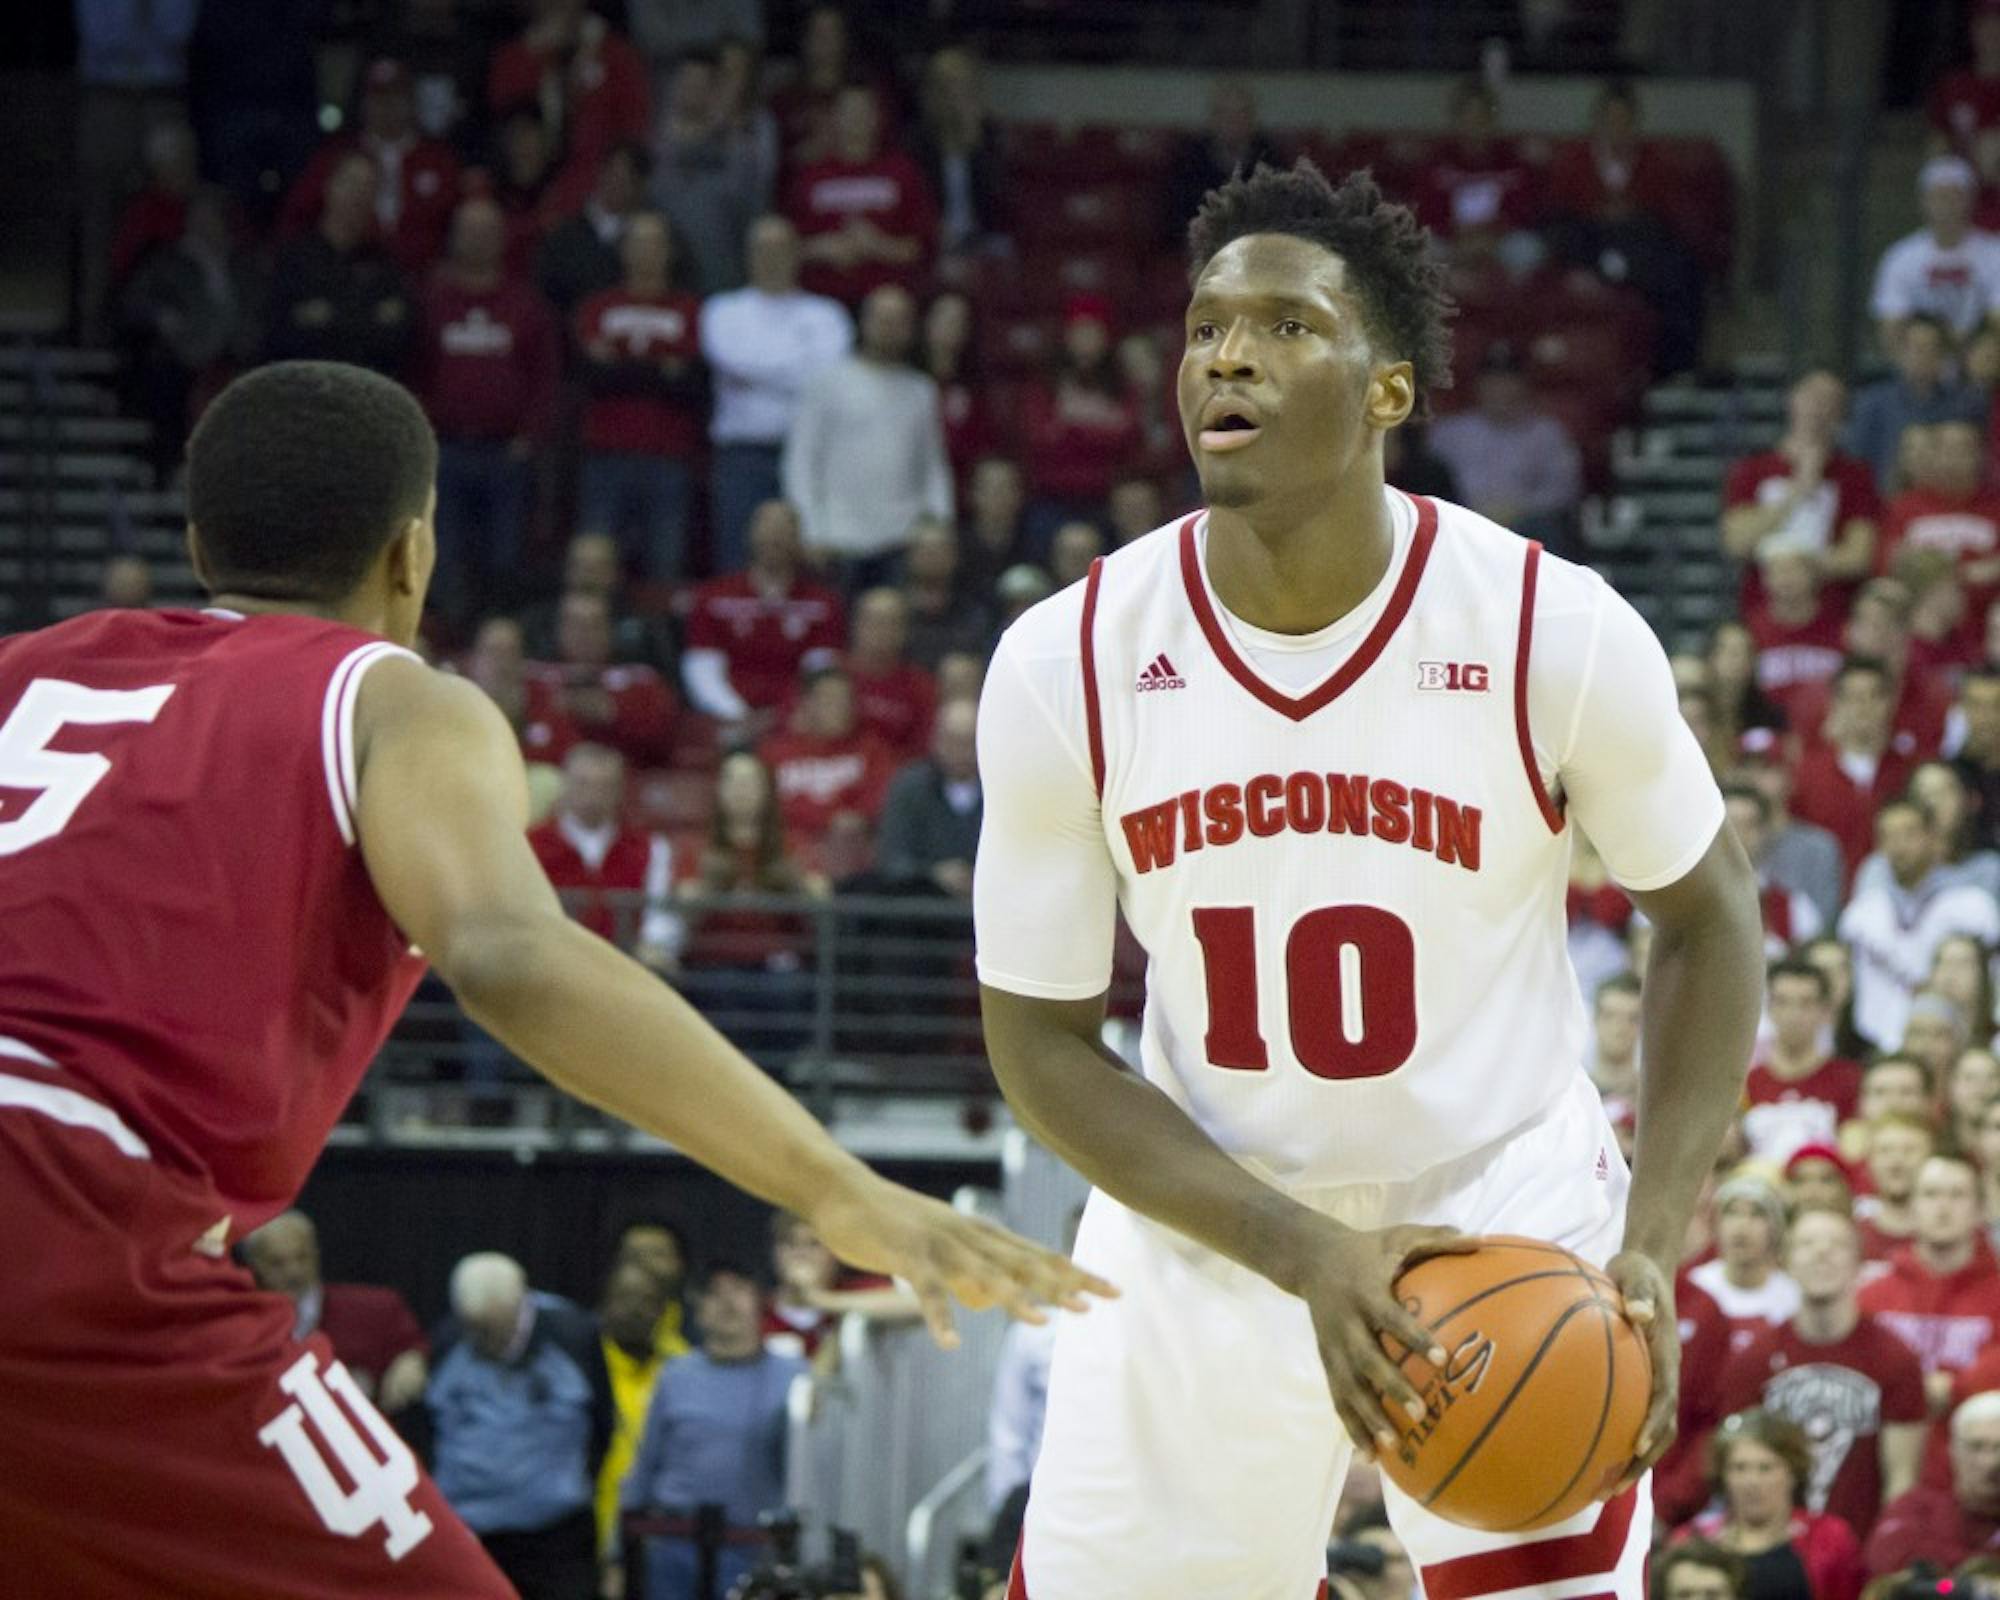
(443, 817)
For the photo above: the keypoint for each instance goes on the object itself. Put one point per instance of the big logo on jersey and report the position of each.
(380, 1469)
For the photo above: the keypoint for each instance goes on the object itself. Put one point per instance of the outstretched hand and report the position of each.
(944, 1256)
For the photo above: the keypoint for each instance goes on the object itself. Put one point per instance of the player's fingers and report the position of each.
(1048, 1275)
(1353, 1393)
(1365, 1443)
(1409, 1332)
(1383, 1377)
(935, 1301)
(1022, 1277)
(1420, 1243)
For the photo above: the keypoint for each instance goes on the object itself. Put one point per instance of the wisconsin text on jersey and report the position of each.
(1304, 802)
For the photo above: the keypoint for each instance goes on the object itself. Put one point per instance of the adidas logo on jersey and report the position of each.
(1160, 674)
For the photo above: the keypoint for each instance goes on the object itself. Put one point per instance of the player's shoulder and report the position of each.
(1562, 586)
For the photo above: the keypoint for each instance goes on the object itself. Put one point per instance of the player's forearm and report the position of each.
(1130, 1140)
(599, 1025)
(1704, 984)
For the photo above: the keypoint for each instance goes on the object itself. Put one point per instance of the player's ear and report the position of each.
(1392, 395)
(410, 557)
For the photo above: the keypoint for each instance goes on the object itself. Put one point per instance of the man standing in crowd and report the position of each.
(865, 213)
(1941, 1295)
(1803, 494)
(1922, 390)
(1898, 1145)
(1947, 269)
(335, 293)
(866, 458)
(1844, 778)
(715, 1435)
(614, 879)
(580, 256)
(1745, 1279)
(522, 1411)
(1797, 1094)
(764, 344)
(628, 1317)
(893, 696)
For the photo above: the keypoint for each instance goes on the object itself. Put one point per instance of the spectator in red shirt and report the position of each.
(864, 213)
(1895, 1146)
(1878, 627)
(746, 853)
(155, 216)
(626, 706)
(373, 1332)
(830, 772)
(613, 879)
(1844, 1378)
(1680, 1481)
(1803, 493)
(488, 369)
(1855, 765)
(1759, 1465)
(522, 181)
(948, 355)
(750, 634)
(497, 662)
(1947, 1526)
(894, 698)
(1478, 188)
(1944, 636)
(814, 1291)
(1818, 1178)
(1949, 507)
(642, 425)
(1965, 105)
(1611, 199)
(1080, 425)
(1941, 1295)
(588, 82)
(1798, 1094)
(805, 107)
(416, 179)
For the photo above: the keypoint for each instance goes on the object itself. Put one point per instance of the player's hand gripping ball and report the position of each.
(1537, 1410)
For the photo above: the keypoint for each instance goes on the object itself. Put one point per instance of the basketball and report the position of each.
(1545, 1385)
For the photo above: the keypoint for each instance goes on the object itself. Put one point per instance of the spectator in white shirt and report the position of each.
(1947, 268)
(1514, 462)
(1894, 928)
(763, 344)
(866, 456)
(1744, 1278)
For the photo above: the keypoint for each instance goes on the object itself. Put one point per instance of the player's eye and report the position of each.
(1291, 326)
(1205, 330)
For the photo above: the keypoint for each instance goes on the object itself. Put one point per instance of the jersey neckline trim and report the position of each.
(1299, 707)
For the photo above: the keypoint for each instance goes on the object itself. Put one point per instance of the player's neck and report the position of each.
(1289, 568)
(354, 616)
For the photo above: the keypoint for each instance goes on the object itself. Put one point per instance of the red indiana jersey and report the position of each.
(188, 935)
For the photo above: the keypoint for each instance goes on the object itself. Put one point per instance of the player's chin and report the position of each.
(1228, 484)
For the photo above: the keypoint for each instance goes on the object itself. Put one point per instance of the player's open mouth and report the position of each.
(1230, 430)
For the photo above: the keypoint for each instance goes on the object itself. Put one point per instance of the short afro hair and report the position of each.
(1387, 251)
(300, 473)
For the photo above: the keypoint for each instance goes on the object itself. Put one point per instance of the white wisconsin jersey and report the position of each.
(1352, 895)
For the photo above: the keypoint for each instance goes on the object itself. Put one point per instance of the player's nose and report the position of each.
(1235, 354)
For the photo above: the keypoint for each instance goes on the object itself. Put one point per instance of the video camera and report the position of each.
(785, 1576)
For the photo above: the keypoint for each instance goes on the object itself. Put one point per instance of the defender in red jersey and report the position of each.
(232, 839)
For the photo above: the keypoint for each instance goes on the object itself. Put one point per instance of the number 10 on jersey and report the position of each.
(1350, 990)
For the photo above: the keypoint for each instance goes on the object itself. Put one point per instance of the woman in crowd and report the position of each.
(1080, 424)
(1971, 1084)
(1962, 971)
(747, 967)
(1732, 680)
(1758, 1464)
(1832, 958)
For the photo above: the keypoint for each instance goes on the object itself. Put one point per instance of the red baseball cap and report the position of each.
(1821, 1152)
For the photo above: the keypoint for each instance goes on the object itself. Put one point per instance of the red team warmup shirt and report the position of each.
(1793, 658)
(1846, 491)
(816, 778)
(766, 637)
(1780, 1116)
(1948, 1321)
(491, 360)
(1840, 1394)
(642, 328)
(635, 863)
(896, 706)
(195, 972)
(889, 192)
(643, 709)
(1964, 527)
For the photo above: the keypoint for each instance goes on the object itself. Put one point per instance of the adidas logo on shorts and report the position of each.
(1160, 674)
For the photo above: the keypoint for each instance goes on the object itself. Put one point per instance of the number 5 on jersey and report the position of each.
(63, 777)
(1350, 990)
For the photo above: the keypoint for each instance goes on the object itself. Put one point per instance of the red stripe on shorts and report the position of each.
(1574, 1555)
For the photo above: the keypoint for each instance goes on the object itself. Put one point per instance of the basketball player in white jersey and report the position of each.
(1324, 744)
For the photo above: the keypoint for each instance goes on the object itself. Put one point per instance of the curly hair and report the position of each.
(1387, 251)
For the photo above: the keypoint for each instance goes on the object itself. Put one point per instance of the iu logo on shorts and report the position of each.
(1460, 677)
(380, 1469)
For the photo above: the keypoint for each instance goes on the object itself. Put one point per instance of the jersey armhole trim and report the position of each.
(1092, 716)
(1524, 640)
(336, 729)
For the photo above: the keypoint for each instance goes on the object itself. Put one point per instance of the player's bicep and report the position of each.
(1636, 779)
(1045, 891)
(443, 810)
